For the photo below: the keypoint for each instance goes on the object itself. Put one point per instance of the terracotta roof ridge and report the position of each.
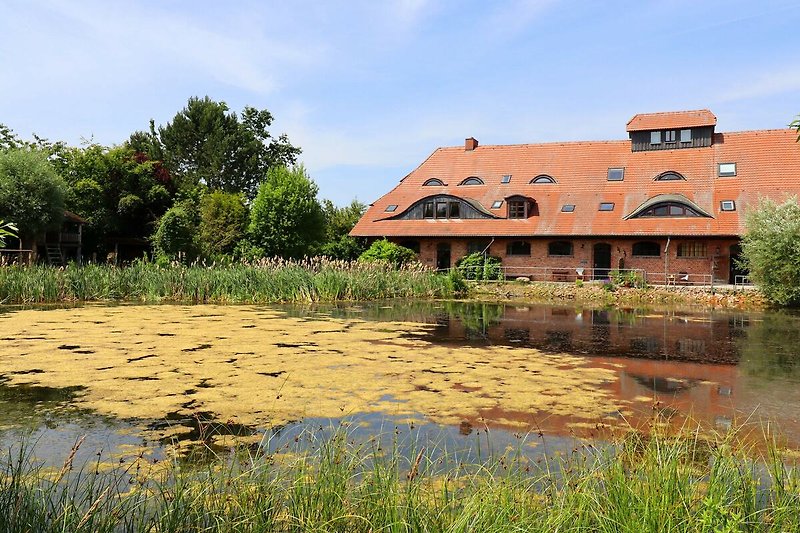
(549, 143)
(663, 113)
(768, 130)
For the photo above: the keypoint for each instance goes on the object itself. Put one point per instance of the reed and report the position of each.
(265, 281)
(640, 484)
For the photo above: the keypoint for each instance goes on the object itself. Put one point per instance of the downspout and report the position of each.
(666, 261)
(484, 256)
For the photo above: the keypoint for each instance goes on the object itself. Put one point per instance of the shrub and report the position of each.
(627, 279)
(477, 266)
(388, 252)
(771, 250)
(176, 233)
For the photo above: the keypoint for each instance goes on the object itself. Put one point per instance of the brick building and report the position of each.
(670, 201)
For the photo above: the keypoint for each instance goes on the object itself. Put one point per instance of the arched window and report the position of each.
(669, 176)
(433, 182)
(472, 180)
(646, 249)
(518, 248)
(543, 178)
(669, 209)
(559, 248)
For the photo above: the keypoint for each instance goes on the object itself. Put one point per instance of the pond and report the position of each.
(139, 379)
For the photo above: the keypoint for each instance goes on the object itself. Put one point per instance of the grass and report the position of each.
(642, 484)
(265, 281)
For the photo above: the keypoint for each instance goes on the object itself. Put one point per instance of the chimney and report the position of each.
(470, 144)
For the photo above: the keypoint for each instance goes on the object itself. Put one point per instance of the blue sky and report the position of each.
(369, 89)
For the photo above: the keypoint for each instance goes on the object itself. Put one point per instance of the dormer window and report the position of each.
(441, 209)
(472, 180)
(669, 136)
(686, 136)
(517, 209)
(669, 176)
(543, 178)
(655, 137)
(433, 182)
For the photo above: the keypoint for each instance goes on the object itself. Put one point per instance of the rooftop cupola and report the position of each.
(671, 131)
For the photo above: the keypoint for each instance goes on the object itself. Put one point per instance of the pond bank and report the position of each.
(596, 293)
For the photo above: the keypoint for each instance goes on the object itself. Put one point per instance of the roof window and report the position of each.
(391, 208)
(433, 182)
(506, 179)
(472, 180)
(543, 178)
(727, 205)
(568, 208)
(727, 169)
(497, 204)
(616, 174)
(606, 206)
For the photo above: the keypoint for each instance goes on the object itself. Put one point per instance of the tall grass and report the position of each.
(642, 484)
(259, 282)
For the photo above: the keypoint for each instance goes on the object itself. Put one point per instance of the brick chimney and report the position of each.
(470, 144)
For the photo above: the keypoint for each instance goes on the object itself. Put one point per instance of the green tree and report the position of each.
(223, 222)
(285, 217)
(176, 234)
(31, 193)
(771, 250)
(796, 125)
(120, 192)
(388, 252)
(338, 223)
(207, 143)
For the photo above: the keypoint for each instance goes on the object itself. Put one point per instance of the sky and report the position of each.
(369, 89)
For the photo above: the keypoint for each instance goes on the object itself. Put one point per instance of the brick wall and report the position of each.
(717, 256)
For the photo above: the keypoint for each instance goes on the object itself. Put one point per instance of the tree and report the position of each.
(388, 252)
(31, 192)
(796, 125)
(207, 144)
(176, 234)
(120, 192)
(285, 217)
(338, 223)
(771, 250)
(223, 222)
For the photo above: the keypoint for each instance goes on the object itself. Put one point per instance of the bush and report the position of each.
(771, 250)
(177, 233)
(627, 279)
(388, 252)
(477, 266)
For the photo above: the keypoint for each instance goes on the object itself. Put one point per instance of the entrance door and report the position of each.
(735, 269)
(602, 260)
(442, 256)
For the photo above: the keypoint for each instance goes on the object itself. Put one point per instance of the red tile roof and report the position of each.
(671, 120)
(767, 164)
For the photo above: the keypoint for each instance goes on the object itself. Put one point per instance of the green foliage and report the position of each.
(121, 193)
(338, 223)
(477, 266)
(388, 252)
(262, 281)
(771, 250)
(7, 229)
(223, 222)
(628, 278)
(205, 143)
(176, 235)
(796, 125)
(31, 191)
(286, 219)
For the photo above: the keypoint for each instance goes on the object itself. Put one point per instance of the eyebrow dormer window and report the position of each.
(669, 176)
(543, 178)
(433, 182)
(472, 180)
